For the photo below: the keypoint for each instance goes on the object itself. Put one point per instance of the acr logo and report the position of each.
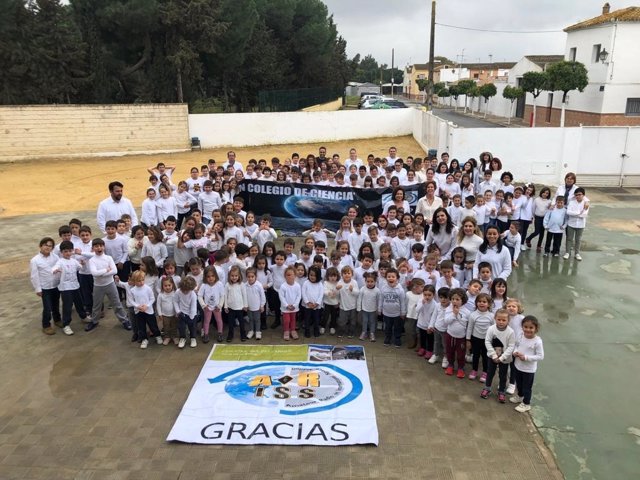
(294, 388)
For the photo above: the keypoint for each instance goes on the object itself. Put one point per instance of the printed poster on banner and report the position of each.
(293, 206)
(280, 395)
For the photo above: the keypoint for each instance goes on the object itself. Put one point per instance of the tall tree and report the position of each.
(534, 83)
(512, 94)
(487, 91)
(464, 87)
(15, 55)
(567, 76)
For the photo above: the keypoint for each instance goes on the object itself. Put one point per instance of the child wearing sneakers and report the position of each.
(393, 308)
(166, 310)
(142, 301)
(290, 295)
(500, 342)
(69, 287)
(256, 301)
(456, 319)
(479, 322)
(413, 297)
(528, 351)
(211, 298)
(103, 269)
(424, 311)
(348, 293)
(185, 305)
(368, 299)
(331, 299)
(438, 328)
(514, 309)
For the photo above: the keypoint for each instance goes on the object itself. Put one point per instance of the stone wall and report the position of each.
(38, 131)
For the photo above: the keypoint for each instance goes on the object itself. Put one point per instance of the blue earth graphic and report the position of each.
(298, 206)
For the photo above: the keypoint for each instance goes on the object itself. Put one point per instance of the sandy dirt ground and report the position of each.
(68, 184)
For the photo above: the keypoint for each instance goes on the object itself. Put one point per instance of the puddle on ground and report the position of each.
(629, 251)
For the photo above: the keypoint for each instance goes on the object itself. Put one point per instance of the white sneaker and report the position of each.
(193, 343)
(433, 359)
(144, 344)
(522, 408)
(523, 247)
(515, 399)
(67, 330)
(182, 343)
(566, 256)
(363, 336)
(159, 340)
(321, 331)
(332, 331)
(511, 389)
(250, 334)
(445, 363)
(578, 257)
(258, 335)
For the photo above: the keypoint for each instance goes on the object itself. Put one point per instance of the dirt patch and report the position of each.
(69, 184)
(632, 226)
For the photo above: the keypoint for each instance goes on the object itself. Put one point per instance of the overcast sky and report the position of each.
(377, 26)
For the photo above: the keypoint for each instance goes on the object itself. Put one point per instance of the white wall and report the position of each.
(542, 155)
(248, 129)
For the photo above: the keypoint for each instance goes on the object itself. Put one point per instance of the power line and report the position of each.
(497, 31)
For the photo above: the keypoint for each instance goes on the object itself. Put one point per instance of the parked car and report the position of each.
(368, 97)
(386, 103)
(373, 100)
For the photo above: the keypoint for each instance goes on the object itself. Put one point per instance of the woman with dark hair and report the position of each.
(484, 163)
(443, 233)
(454, 166)
(491, 251)
(428, 204)
(496, 164)
(397, 199)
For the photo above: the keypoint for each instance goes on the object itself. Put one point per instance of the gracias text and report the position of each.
(336, 432)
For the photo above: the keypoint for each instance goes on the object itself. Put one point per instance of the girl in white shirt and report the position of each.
(235, 303)
(540, 206)
(154, 246)
(142, 300)
(211, 296)
(166, 310)
(312, 294)
(166, 204)
(290, 295)
(184, 202)
(528, 352)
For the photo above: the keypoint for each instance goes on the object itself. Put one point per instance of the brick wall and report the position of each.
(574, 118)
(57, 130)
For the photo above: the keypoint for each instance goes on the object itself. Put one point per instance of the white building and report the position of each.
(608, 47)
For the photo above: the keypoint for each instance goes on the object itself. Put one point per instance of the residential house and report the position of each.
(417, 71)
(608, 46)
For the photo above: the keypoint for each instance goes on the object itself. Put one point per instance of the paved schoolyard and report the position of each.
(93, 406)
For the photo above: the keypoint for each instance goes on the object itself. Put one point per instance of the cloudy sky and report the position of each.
(377, 26)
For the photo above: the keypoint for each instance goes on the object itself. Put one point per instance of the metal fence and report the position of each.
(292, 100)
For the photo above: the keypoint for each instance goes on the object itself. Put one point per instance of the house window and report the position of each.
(595, 54)
(421, 75)
(476, 76)
(572, 54)
(633, 107)
(549, 107)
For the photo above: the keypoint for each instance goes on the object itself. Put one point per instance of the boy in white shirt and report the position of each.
(45, 283)
(264, 233)
(69, 287)
(103, 269)
(577, 212)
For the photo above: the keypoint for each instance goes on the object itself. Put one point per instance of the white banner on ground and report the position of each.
(280, 395)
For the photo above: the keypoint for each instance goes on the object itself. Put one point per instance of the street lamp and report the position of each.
(603, 55)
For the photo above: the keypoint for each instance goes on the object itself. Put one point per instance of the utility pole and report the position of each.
(392, 60)
(431, 50)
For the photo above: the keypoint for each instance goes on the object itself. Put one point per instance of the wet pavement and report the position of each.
(93, 406)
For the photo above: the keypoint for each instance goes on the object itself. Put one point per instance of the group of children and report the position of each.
(170, 279)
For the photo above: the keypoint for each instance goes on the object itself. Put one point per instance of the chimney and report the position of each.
(606, 8)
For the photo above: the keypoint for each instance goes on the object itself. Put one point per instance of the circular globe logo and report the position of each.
(291, 387)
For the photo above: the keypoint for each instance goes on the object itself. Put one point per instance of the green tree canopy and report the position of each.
(567, 76)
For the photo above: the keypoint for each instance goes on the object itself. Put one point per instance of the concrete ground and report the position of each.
(464, 120)
(93, 406)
